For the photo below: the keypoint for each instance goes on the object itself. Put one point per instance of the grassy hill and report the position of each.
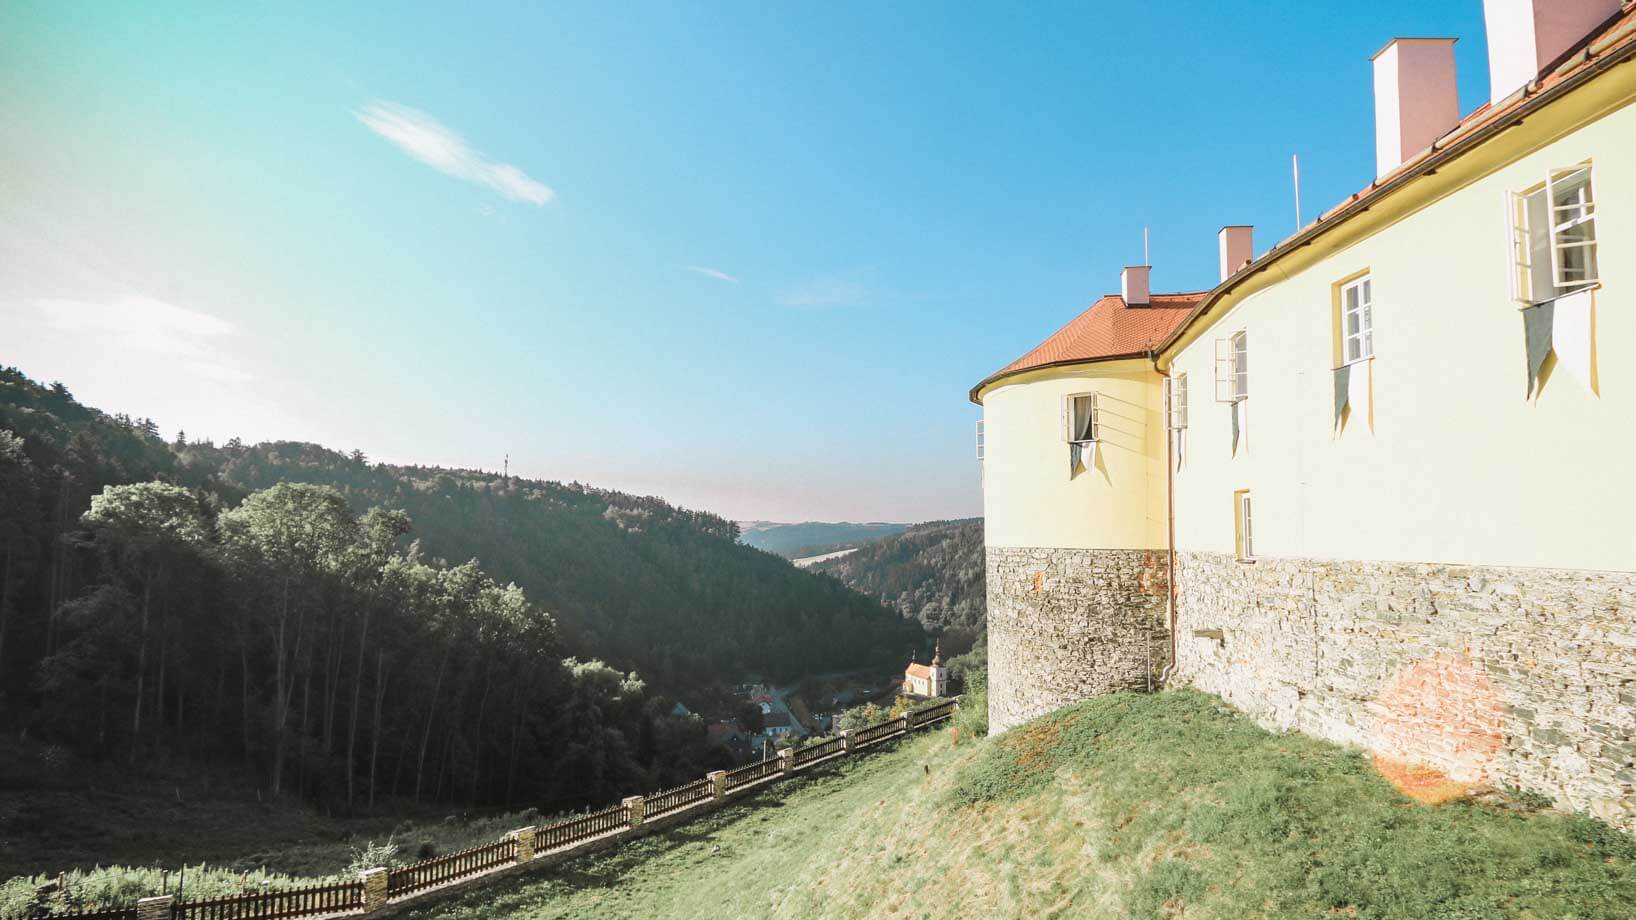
(1169, 805)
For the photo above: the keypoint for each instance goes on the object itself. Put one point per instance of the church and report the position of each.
(928, 680)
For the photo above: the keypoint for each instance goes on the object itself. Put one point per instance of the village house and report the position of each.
(1374, 484)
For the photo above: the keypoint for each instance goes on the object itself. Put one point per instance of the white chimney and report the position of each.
(1133, 285)
(1416, 98)
(1525, 36)
(1237, 245)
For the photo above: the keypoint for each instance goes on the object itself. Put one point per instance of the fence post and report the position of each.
(906, 724)
(634, 810)
(156, 908)
(525, 843)
(374, 890)
(846, 741)
(786, 761)
(718, 784)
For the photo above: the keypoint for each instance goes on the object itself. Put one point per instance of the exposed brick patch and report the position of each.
(1440, 710)
(1511, 676)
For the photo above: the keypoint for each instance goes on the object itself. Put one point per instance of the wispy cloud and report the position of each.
(144, 324)
(437, 145)
(715, 273)
(830, 291)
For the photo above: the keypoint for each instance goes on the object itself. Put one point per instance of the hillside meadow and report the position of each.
(1170, 805)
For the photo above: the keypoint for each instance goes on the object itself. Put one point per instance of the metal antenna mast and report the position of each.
(1295, 166)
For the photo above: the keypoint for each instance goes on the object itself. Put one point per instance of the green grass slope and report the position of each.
(1128, 806)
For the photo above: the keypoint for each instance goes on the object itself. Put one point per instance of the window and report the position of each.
(1357, 320)
(1242, 528)
(1233, 368)
(1176, 401)
(979, 439)
(1081, 420)
(1553, 236)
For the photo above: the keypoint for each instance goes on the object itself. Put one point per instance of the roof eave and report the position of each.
(1429, 161)
(976, 392)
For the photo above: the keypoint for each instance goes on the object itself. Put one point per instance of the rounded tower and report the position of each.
(1074, 504)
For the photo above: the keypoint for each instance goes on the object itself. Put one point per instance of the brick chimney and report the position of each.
(1525, 36)
(1416, 98)
(1133, 285)
(1237, 244)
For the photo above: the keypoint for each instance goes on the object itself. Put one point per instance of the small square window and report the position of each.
(1081, 419)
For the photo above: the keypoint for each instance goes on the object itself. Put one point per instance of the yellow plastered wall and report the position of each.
(1028, 497)
(1460, 466)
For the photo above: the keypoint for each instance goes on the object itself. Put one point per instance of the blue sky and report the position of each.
(749, 257)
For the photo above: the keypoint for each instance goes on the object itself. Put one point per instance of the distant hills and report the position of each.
(633, 580)
(931, 572)
(812, 538)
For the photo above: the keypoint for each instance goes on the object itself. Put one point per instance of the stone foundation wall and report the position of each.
(1068, 624)
(1506, 676)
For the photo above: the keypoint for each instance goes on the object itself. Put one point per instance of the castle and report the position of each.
(1375, 485)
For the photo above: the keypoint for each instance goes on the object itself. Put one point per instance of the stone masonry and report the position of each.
(1504, 676)
(1068, 624)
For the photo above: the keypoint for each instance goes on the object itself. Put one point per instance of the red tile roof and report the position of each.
(916, 669)
(1109, 329)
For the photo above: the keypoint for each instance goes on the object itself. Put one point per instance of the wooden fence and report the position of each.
(663, 803)
(381, 888)
(309, 901)
(98, 913)
(750, 773)
(566, 833)
(441, 870)
(819, 751)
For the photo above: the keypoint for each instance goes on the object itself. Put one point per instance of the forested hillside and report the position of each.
(809, 538)
(289, 606)
(932, 572)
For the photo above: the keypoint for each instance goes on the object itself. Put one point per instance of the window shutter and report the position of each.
(1067, 418)
(1572, 220)
(1249, 544)
(979, 439)
(1176, 402)
(1522, 270)
(1241, 366)
(1224, 370)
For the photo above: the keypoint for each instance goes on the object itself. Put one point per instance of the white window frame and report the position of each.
(1233, 367)
(1243, 524)
(980, 444)
(1068, 430)
(1176, 402)
(1564, 217)
(1364, 310)
(1529, 243)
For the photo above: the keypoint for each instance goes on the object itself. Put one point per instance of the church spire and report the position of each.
(937, 654)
